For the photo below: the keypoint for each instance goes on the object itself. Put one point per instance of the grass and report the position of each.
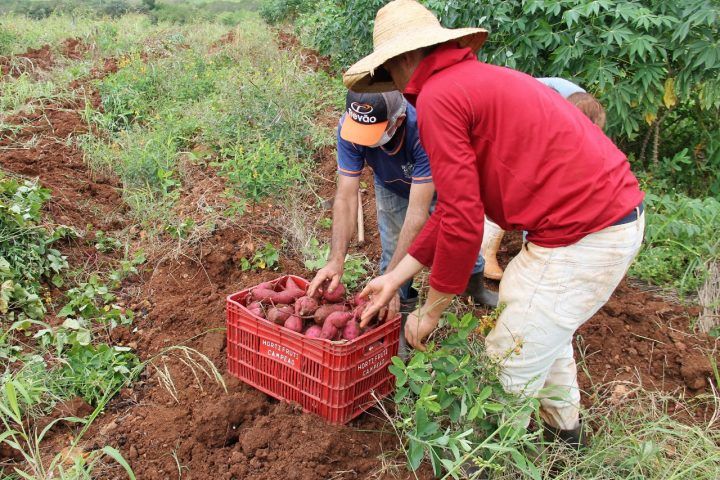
(246, 106)
(643, 435)
(681, 242)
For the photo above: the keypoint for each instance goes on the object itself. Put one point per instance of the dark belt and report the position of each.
(632, 216)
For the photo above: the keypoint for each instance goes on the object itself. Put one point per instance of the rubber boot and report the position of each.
(492, 238)
(479, 294)
(407, 306)
(574, 438)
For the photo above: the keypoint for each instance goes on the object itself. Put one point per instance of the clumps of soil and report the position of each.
(31, 62)
(41, 149)
(308, 57)
(642, 338)
(74, 48)
(226, 39)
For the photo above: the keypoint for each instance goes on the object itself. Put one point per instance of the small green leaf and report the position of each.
(117, 456)
(415, 454)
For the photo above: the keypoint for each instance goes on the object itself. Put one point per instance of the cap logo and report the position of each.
(360, 112)
(361, 108)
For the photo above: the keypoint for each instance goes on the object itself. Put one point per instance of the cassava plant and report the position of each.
(453, 411)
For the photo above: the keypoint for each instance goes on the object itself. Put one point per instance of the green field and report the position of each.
(156, 156)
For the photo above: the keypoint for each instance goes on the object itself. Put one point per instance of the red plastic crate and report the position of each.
(335, 380)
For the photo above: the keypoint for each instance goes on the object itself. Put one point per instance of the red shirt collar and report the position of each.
(444, 56)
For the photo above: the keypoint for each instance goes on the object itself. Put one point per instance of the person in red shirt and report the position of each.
(531, 163)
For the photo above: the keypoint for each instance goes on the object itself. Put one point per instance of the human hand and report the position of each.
(332, 272)
(381, 291)
(393, 307)
(418, 325)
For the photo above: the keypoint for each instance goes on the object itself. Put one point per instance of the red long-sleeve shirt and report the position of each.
(503, 144)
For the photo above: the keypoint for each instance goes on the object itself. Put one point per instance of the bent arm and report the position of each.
(417, 214)
(344, 217)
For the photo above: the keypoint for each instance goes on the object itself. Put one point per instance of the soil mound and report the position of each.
(42, 148)
(32, 62)
(74, 48)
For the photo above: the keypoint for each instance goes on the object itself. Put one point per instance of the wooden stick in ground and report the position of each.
(360, 219)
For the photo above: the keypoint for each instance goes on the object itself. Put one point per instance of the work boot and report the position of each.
(574, 438)
(479, 294)
(492, 238)
(407, 306)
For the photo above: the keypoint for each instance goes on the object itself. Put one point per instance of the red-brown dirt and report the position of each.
(74, 48)
(193, 426)
(31, 62)
(310, 58)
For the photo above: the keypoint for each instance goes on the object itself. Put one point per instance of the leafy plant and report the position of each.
(355, 268)
(182, 229)
(680, 239)
(258, 172)
(26, 255)
(325, 222)
(453, 410)
(93, 371)
(265, 257)
(105, 243)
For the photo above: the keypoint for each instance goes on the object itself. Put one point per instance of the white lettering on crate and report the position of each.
(373, 363)
(279, 352)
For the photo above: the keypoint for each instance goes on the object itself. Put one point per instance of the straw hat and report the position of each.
(402, 26)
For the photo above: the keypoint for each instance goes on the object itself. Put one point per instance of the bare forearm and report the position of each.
(436, 302)
(344, 218)
(406, 268)
(411, 227)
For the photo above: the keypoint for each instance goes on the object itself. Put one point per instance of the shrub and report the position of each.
(274, 11)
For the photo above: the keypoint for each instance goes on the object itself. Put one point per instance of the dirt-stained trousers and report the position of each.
(549, 293)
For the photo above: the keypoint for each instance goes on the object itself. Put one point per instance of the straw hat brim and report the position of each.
(360, 76)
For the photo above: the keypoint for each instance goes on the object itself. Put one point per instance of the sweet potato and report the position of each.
(358, 311)
(279, 313)
(351, 330)
(262, 294)
(323, 311)
(294, 323)
(290, 284)
(357, 300)
(339, 319)
(329, 331)
(336, 296)
(256, 309)
(276, 298)
(313, 331)
(305, 306)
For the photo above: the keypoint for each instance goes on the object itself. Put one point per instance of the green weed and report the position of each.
(355, 269)
(27, 257)
(680, 239)
(265, 257)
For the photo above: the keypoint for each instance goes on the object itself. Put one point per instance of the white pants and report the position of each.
(549, 293)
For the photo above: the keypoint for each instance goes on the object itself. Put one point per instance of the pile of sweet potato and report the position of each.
(327, 315)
